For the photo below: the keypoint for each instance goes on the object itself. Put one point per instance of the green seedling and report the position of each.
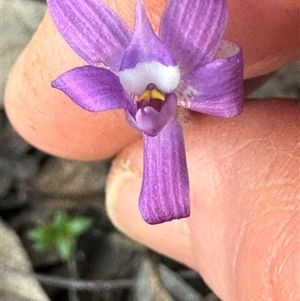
(61, 233)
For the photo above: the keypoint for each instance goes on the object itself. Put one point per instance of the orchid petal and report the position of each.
(150, 121)
(94, 89)
(146, 60)
(145, 46)
(92, 29)
(215, 88)
(192, 30)
(165, 189)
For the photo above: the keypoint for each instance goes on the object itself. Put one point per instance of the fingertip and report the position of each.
(46, 117)
(240, 170)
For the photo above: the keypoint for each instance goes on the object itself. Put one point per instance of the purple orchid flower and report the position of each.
(148, 76)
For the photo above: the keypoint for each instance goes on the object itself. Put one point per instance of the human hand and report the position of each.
(242, 233)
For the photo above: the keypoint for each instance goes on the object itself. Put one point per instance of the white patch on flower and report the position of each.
(186, 94)
(226, 49)
(135, 80)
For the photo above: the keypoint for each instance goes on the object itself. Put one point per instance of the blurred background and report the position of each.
(37, 189)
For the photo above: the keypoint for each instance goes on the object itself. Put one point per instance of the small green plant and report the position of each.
(61, 233)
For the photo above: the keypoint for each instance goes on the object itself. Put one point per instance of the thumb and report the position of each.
(243, 229)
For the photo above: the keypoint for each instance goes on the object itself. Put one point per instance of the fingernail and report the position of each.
(122, 191)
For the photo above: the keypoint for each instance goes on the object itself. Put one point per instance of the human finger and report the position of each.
(243, 229)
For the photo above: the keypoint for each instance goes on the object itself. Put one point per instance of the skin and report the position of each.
(243, 232)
